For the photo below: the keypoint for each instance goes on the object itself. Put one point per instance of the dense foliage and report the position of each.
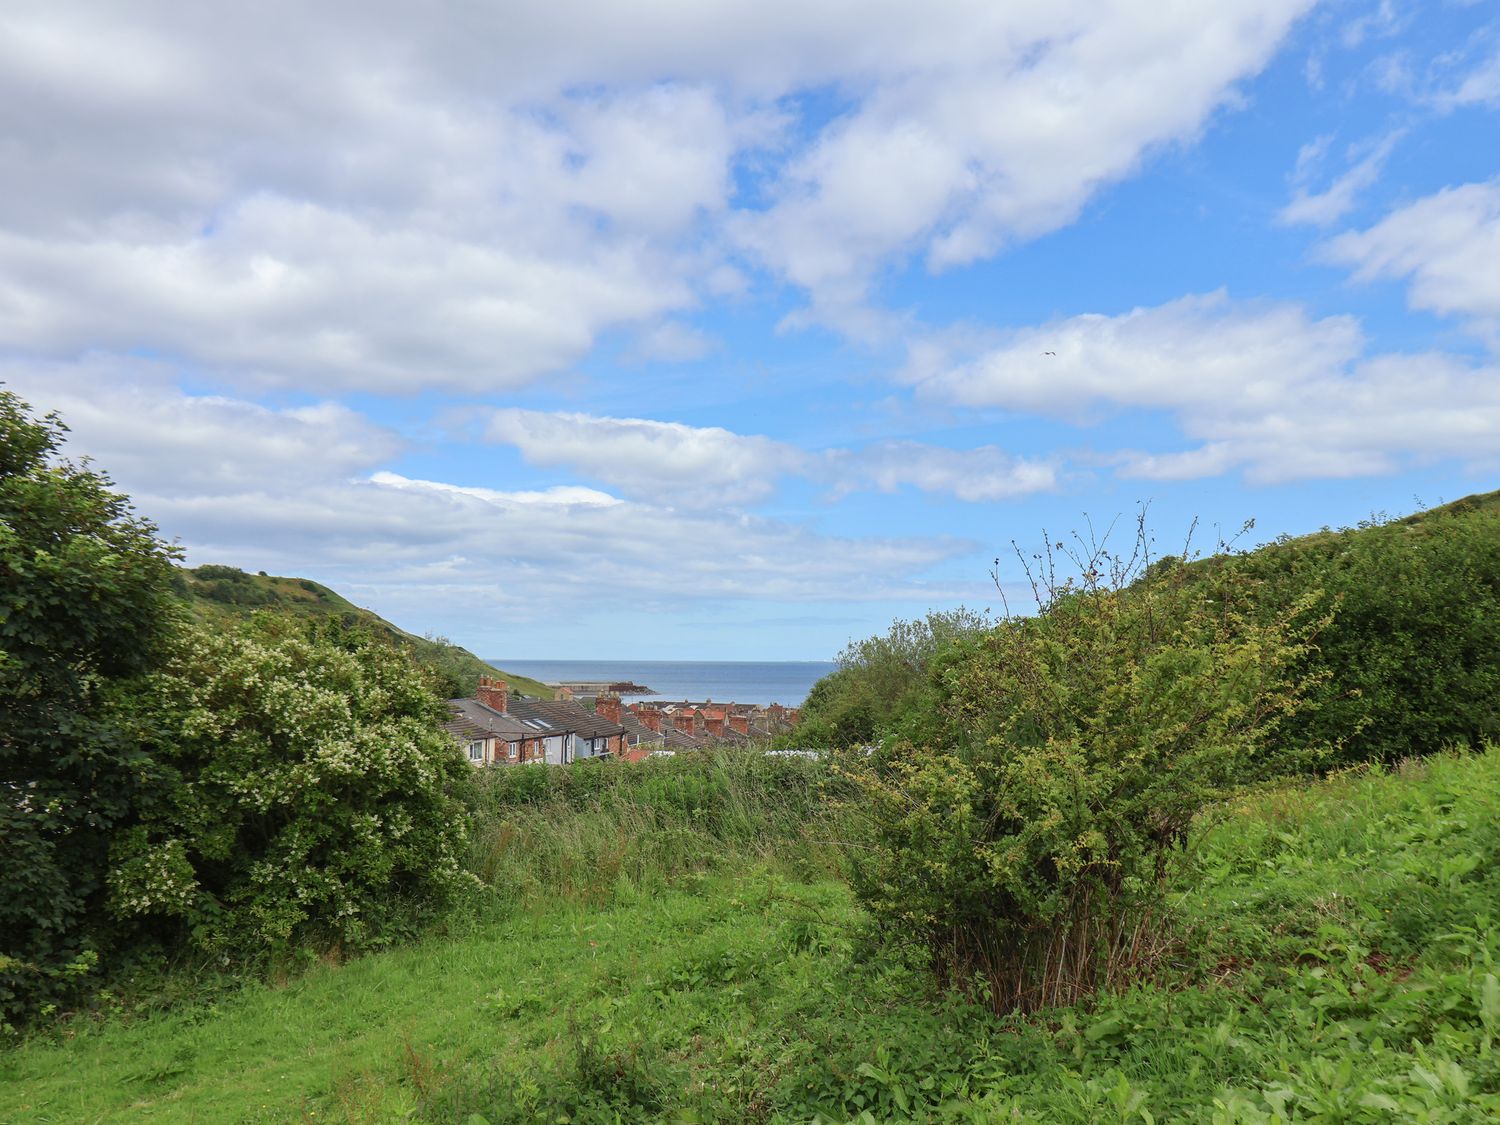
(1027, 841)
(880, 679)
(83, 608)
(254, 789)
(309, 797)
(1410, 661)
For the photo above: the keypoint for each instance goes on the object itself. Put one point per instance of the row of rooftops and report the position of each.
(702, 723)
(678, 725)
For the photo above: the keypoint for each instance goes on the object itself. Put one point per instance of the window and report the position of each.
(476, 751)
(512, 750)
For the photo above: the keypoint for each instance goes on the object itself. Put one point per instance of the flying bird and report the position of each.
(1049, 353)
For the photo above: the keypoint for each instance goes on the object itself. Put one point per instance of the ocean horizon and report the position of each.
(725, 681)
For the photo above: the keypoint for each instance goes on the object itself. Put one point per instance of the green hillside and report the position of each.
(225, 591)
(1331, 959)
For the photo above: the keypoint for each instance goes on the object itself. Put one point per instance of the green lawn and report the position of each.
(1333, 960)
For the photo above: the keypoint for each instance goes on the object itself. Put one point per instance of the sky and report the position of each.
(701, 330)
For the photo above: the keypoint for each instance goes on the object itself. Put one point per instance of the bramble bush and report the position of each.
(1025, 843)
(310, 796)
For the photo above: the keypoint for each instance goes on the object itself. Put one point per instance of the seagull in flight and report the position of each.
(1049, 353)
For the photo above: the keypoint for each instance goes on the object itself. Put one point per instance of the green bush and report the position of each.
(213, 572)
(310, 797)
(1411, 659)
(1026, 842)
(84, 602)
(879, 679)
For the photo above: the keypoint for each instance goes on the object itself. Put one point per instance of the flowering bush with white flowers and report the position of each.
(311, 800)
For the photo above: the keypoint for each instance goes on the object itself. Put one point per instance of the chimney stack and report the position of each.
(608, 707)
(740, 723)
(713, 721)
(494, 694)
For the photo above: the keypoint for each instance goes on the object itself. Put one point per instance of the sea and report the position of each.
(725, 681)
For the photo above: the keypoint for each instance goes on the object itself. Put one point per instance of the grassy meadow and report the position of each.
(677, 944)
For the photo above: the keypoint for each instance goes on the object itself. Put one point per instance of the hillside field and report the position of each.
(1333, 959)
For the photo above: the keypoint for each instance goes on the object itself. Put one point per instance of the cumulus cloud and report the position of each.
(987, 473)
(1193, 352)
(668, 463)
(1033, 110)
(378, 197)
(291, 293)
(159, 442)
(681, 466)
(306, 490)
(1444, 246)
(1261, 387)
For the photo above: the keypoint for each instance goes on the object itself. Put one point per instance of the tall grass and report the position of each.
(599, 829)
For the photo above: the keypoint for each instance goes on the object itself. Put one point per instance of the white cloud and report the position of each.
(159, 442)
(1380, 22)
(305, 491)
(1338, 198)
(294, 293)
(667, 463)
(1197, 352)
(1262, 388)
(1444, 245)
(1480, 87)
(984, 474)
(1032, 112)
(679, 466)
(373, 196)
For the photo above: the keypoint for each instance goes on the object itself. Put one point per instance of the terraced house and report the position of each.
(497, 730)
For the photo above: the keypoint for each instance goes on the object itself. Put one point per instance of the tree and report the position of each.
(84, 603)
(879, 679)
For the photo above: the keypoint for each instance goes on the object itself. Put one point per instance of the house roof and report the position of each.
(636, 729)
(567, 714)
(551, 716)
(472, 720)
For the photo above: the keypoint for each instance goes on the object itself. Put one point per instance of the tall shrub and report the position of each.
(84, 596)
(1024, 837)
(311, 797)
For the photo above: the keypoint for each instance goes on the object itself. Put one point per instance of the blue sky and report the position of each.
(734, 331)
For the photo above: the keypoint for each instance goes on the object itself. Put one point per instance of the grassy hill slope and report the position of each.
(224, 591)
(1334, 960)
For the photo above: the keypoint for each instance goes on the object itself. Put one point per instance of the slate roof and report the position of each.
(472, 720)
(538, 722)
(566, 714)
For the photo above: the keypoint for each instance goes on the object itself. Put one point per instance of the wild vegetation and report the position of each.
(172, 789)
(1332, 959)
(217, 593)
(1187, 843)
